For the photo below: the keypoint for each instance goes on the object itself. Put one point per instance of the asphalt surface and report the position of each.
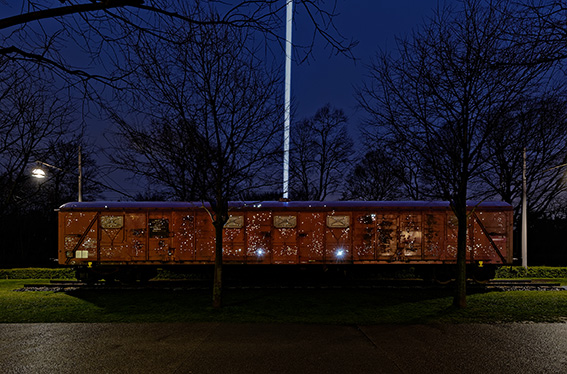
(281, 348)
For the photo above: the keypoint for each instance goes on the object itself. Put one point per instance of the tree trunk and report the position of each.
(217, 279)
(460, 297)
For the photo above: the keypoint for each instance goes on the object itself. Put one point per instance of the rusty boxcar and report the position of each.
(99, 238)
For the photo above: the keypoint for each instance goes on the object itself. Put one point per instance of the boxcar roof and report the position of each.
(342, 205)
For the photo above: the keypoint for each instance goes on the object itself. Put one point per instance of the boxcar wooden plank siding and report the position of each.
(345, 232)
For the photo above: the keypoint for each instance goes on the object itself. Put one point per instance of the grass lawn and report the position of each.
(327, 306)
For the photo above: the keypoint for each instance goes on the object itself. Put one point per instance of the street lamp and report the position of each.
(39, 173)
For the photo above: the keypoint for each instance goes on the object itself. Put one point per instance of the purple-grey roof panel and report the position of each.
(276, 205)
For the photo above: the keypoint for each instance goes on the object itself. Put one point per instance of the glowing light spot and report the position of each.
(340, 253)
(38, 173)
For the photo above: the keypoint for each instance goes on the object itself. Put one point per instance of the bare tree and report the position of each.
(46, 31)
(377, 176)
(209, 111)
(539, 125)
(321, 154)
(31, 117)
(395, 159)
(540, 31)
(37, 123)
(441, 95)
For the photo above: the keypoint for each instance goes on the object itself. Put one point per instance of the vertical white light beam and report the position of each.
(287, 97)
(80, 197)
(524, 216)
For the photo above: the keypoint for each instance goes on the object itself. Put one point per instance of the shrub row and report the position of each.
(532, 272)
(41, 273)
(69, 273)
(37, 273)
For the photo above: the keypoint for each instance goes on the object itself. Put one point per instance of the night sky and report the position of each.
(374, 24)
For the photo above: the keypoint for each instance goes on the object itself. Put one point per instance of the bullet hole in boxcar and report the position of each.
(138, 232)
(366, 220)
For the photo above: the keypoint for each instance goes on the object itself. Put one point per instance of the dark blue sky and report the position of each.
(374, 23)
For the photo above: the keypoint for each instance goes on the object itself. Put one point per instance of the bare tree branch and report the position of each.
(100, 27)
(43, 60)
(64, 11)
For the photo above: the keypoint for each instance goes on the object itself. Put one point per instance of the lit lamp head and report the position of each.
(38, 173)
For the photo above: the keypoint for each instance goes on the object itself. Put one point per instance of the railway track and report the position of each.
(179, 285)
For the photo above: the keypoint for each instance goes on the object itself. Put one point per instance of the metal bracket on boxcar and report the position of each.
(82, 238)
(487, 234)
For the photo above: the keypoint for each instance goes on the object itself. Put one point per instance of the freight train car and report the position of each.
(133, 239)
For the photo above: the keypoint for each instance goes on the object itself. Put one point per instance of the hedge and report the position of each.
(531, 272)
(67, 273)
(37, 273)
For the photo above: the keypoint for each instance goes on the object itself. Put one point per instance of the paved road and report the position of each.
(279, 348)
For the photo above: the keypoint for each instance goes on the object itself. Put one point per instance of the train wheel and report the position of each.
(484, 274)
(107, 273)
(127, 276)
(86, 275)
(147, 274)
(427, 273)
(444, 275)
